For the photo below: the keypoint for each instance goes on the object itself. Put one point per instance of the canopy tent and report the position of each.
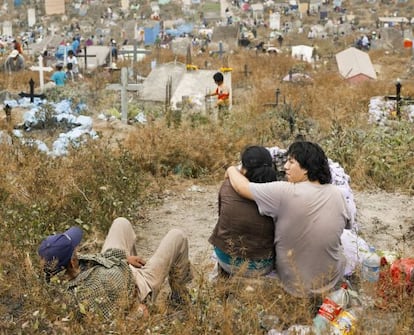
(355, 65)
(302, 52)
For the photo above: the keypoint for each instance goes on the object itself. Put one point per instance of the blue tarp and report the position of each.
(186, 28)
(60, 51)
(150, 34)
(17, 3)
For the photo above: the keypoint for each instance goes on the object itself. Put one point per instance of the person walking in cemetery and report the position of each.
(59, 76)
(14, 62)
(89, 41)
(18, 46)
(69, 72)
(74, 61)
(309, 214)
(117, 280)
(242, 238)
(75, 45)
(223, 95)
(114, 50)
(280, 40)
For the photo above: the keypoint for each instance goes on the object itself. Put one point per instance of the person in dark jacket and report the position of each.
(242, 238)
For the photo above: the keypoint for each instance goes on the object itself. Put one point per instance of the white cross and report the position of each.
(41, 69)
(124, 87)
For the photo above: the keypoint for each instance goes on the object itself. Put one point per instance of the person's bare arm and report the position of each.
(239, 182)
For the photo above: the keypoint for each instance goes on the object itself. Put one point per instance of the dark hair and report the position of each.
(218, 77)
(312, 158)
(69, 66)
(258, 164)
(70, 52)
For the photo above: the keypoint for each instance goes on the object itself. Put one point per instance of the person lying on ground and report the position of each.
(117, 280)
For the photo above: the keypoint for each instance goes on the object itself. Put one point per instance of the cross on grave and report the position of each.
(245, 71)
(276, 103)
(85, 57)
(31, 95)
(399, 99)
(7, 109)
(135, 52)
(41, 69)
(124, 87)
(220, 51)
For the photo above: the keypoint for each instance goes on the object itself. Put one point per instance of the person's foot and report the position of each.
(179, 299)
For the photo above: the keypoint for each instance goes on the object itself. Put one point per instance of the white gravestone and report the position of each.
(124, 4)
(274, 21)
(31, 17)
(7, 28)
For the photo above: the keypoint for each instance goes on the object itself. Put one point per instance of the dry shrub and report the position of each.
(125, 172)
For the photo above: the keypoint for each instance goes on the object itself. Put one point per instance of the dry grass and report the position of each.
(108, 178)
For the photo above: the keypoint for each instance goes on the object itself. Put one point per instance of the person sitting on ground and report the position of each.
(117, 280)
(59, 76)
(310, 215)
(14, 62)
(242, 238)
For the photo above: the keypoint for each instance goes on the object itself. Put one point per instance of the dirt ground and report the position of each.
(385, 221)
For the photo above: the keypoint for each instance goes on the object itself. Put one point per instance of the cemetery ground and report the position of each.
(161, 175)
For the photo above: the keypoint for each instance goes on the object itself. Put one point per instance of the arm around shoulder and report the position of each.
(239, 182)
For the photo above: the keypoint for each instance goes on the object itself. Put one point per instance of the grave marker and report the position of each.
(7, 109)
(85, 57)
(124, 87)
(246, 71)
(41, 69)
(220, 51)
(124, 4)
(53, 30)
(274, 21)
(276, 103)
(31, 95)
(31, 17)
(7, 28)
(135, 52)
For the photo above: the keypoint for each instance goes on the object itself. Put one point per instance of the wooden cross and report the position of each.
(41, 69)
(124, 87)
(246, 72)
(276, 103)
(85, 57)
(31, 95)
(220, 51)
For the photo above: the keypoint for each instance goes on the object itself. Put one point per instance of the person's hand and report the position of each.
(142, 311)
(136, 261)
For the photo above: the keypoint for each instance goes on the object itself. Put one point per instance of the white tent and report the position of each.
(355, 65)
(302, 52)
